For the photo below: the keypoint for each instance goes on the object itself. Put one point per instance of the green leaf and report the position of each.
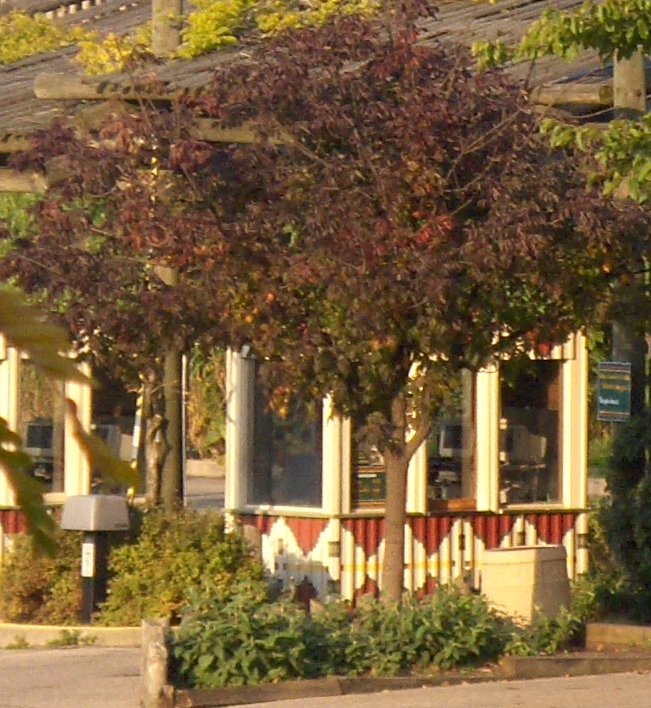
(29, 493)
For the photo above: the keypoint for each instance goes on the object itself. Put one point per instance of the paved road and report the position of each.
(84, 677)
(92, 677)
(204, 492)
(608, 691)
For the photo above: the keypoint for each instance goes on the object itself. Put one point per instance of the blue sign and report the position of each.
(614, 391)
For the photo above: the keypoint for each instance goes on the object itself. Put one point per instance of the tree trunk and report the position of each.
(154, 456)
(395, 516)
(406, 438)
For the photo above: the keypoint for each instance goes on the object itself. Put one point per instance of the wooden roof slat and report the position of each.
(32, 99)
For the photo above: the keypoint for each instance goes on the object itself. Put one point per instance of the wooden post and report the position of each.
(165, 26)
(154, 662)
(629, 86)
(629, 93)
(172, 487)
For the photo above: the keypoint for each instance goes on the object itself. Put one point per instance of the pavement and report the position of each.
(204, 492)
(605, 691)
(94, 677)
(78, 677)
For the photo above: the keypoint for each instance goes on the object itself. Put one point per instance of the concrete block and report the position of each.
(606, 634)
(526, 580)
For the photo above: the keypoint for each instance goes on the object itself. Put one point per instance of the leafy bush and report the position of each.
(187, 554)
(23, 35)
(40, 589)
(550, 635)
(244, 639)
(447, 630)
(546, 635)
(620, 527)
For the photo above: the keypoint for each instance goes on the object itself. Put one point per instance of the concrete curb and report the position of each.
(583, 664)
(308, 688)
(601, 634)
(510, 668)
(31, 635)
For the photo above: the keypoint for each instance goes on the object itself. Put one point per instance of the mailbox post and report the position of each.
(98, 515)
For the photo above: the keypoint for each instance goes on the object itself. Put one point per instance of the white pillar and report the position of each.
(9, 393)
(574, 425)
(240, 378)
(487, 450)
(76, 469)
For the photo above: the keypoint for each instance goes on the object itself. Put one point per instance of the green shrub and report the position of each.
(546, 635)
(620, 527)
(449, 629)
(551, 635)
(245, 640)
(38, 589)
(187, 554)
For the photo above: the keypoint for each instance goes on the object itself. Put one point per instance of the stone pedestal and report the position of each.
(526, 580)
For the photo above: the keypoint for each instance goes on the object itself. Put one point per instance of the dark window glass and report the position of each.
(529, 432)
(368, 479)
(287, 456)
(42, 423)
(451, 445)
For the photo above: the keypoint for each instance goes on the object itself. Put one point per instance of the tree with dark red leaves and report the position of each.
(397, 220)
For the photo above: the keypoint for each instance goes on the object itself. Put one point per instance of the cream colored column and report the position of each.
(332, 499)
(76, 470)
(9, 395)
(487, 419)
(574, 424)
(240, 381)
(331, 460)
(346, 468)
(417, 482)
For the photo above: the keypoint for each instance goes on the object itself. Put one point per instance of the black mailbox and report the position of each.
(98, 515)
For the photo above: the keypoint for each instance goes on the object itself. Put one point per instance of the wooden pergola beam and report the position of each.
(580, 95)
(15, 142)
(32, 181)
(59, 87)
(597, 94)
(69, 87)
(23, 182)
(212, 132)
(92, 118)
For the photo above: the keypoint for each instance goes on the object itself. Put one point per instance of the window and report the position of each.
(529, 431)
(41, 421)
(451, 445)
(368, 479)
(286, 467)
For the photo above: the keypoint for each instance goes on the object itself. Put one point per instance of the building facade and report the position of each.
(507, 468)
